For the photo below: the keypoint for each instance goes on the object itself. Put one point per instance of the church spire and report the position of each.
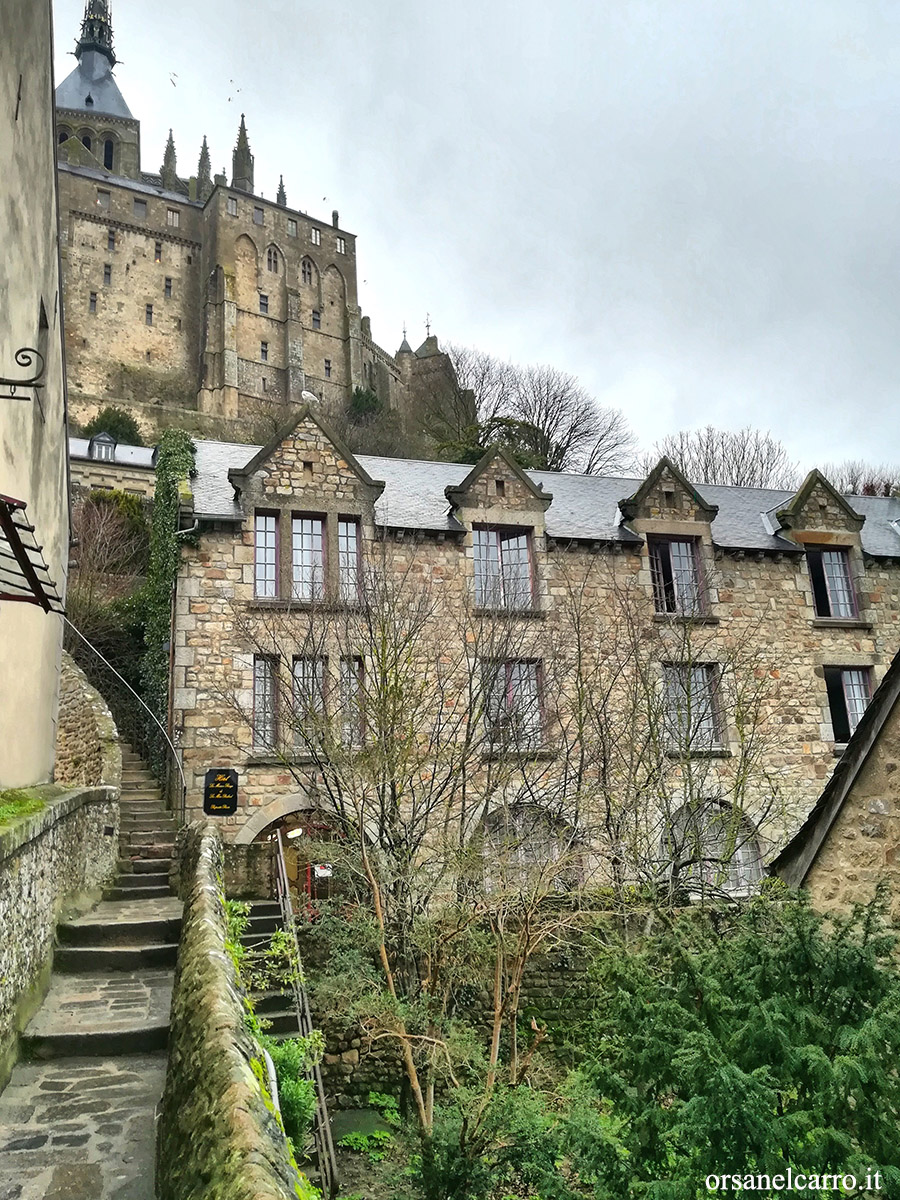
(281, 196)
(96, 30)
(204, 173)
(167, 174)
(242, 162)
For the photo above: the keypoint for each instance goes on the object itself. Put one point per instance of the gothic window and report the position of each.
(832, 583)
(308, 558)
(265, 701)
(272, 260)
(108, 152)
(512, 704)
(503, 576)
(306, 273)
(349, 560)
(677, 580)
(524, 848)
(315, 236)
(265, 555)
(849, 691)
(316, 319)
(692, 712)
(712, 847)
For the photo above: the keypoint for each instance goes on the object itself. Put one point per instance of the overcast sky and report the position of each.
(692, 205)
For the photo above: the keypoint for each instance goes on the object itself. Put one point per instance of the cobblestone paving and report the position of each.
(97, 1003)
(80, 1129)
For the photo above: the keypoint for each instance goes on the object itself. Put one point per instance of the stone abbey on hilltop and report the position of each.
(195, 302)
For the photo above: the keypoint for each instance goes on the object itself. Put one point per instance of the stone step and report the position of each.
(140, 793)
(125, 922)
(151, 824)
(265, 908)
(148, 837)
(107, 959)
(143, 866)
(130, 774)
(263, 924)
(272, 1001)
(283, 1021)
(82, 1014)
(148, 850)
(144, 879)
(152, 892)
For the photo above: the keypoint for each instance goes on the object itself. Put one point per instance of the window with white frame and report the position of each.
(308, 558)
(677, 580)
(265, 702)
(315, 236)
(832, 583)
(692, 710)
(503, 576)
(349, 560)
(231, 206)
(341, 245)
(713, 848)
(292, 227)
(309, 698)
(512, 708)
(173, 217)
(849, 691)
(265, 554)
(352, 696)
(524, 847)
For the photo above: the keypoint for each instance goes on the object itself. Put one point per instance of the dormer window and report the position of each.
(102, 447)
(832, 583)
(503, 575)
(677, 578)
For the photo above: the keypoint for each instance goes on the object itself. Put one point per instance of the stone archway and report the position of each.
(299, 802)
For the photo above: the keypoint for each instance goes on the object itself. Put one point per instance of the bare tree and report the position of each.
(540, 413)
(743, 458)
(855, 477)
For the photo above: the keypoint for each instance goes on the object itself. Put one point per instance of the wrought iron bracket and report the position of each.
(26, 358)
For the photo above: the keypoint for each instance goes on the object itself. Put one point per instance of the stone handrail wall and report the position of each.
(218, 1135)
(51, 861)
(87, 743)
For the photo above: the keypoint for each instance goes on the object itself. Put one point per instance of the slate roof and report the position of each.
(143, 186)
(92, 77)
(126, 456)
(583, 506)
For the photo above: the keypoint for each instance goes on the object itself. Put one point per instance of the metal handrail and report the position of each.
(322, 1127)
(149, 711)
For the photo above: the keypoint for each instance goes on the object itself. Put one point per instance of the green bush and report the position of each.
(117, 423)
(296, 1094)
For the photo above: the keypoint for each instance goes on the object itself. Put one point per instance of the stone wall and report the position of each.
(50, 861)
(87, 743)
(218, 1134)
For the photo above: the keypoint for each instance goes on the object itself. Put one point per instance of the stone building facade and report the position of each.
(34, 525)
(194, 301)
(644, 658)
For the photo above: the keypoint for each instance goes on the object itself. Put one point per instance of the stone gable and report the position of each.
(306, 470)
(667, 499)
(817, 509)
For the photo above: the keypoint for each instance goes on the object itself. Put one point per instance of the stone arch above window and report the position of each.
(108, 143)
(524, 847)
(713, 849)
(308, 272)
(63, 134)
(273, 260)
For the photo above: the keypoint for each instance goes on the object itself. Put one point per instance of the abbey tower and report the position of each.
(193, 301)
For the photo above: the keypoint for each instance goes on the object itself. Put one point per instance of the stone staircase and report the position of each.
(77, 1117)
(274, 1005)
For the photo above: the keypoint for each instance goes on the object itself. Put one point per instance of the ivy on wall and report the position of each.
(174, 465)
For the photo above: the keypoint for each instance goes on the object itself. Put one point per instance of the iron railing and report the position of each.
(135, 721)
(324, 1143)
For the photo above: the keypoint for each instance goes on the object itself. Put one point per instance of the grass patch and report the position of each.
(18, 802)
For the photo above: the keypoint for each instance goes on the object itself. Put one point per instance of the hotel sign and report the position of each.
(220, 792)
